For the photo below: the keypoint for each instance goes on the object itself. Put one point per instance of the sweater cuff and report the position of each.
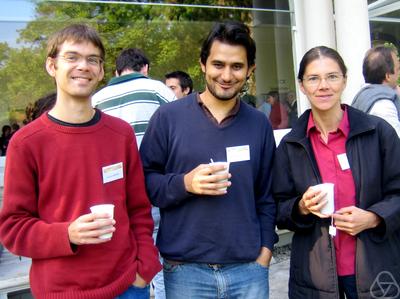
(301, 221)
(178, 185)
(379, 233)
(62, 245)
(148, 269)
(269, 239)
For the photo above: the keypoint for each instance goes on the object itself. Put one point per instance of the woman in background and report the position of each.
(352, 250)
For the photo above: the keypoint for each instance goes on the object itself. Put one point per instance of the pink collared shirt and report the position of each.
(332, 171)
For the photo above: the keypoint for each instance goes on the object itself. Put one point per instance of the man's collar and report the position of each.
(124, 78)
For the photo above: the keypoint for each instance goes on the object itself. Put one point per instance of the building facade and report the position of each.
(171, 33)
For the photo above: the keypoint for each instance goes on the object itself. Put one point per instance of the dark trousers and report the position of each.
(347, 285)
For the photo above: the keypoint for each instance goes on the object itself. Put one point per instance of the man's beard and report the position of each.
(222, 96)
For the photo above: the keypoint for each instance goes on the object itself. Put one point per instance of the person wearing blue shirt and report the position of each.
(217, 230)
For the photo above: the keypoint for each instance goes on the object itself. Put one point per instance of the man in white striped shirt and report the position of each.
(131, 95)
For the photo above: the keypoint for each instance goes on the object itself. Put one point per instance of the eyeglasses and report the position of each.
(74, 58)
(315, 81)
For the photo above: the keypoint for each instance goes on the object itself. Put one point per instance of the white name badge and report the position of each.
(112, 172)
(238, 153)
(344, 163)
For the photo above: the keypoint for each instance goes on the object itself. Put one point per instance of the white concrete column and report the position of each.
(314, 26)
(319, 23)
(353, 40)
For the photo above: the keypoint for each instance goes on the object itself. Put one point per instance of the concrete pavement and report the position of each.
(278, 280)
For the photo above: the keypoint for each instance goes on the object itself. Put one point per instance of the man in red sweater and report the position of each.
(61, 164)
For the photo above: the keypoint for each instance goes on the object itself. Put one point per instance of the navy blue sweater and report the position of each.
(210, 229)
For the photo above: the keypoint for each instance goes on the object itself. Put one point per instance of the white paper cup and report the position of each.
(223, 171)
(328, 188)
(105, 208)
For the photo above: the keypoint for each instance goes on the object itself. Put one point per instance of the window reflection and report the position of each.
(169, 35)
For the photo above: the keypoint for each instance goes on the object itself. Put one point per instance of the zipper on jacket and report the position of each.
(333, 253)
(356, 180)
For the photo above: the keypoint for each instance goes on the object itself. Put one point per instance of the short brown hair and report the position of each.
(378, 62)
(76, 33)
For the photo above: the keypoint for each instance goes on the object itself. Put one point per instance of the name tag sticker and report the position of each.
(344, 163)
(238, 153)
(112, 172)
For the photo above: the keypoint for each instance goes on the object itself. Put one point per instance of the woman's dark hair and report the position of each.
(320, 52)
(232, 33)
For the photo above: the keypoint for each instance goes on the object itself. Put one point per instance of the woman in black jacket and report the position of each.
(354, 251)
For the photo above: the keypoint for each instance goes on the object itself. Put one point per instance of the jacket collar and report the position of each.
(359, 124)
(124, 78)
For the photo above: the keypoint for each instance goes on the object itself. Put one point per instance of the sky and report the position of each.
(13, 16)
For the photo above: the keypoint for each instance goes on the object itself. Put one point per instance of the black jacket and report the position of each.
(373, 151)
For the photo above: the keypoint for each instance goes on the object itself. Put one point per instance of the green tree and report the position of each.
(170, 36)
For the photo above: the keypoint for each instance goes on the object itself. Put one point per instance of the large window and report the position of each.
(169, 34)
(385, 22)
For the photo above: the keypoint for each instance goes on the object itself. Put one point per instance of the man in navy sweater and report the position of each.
(216, 242)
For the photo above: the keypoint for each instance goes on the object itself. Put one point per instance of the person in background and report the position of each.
(180, 83)
(131, 95)
(342, 253)
(278, 115)
(63, 163)
(40, 106)
(265, 107)
(5, 139)
(134, 97)
(14, 128)
(381, 70)
(291, 104)
(217, 230)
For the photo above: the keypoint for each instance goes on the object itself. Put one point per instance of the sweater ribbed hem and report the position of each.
(108, 292)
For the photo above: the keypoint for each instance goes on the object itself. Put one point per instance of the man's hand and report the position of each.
(85, 230)
(312, 201)
(264, 259)
(139, 281)
(353, 220)
(203, 180)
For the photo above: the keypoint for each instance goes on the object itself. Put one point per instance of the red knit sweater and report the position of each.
(53, 175)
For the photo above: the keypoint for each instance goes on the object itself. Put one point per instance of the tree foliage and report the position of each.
(170, 36)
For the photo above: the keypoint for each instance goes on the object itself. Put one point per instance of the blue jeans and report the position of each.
(192, 281)
(135, 293)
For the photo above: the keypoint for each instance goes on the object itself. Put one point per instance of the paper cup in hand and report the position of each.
(223, 171)
(105, 208)
(327, 188)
